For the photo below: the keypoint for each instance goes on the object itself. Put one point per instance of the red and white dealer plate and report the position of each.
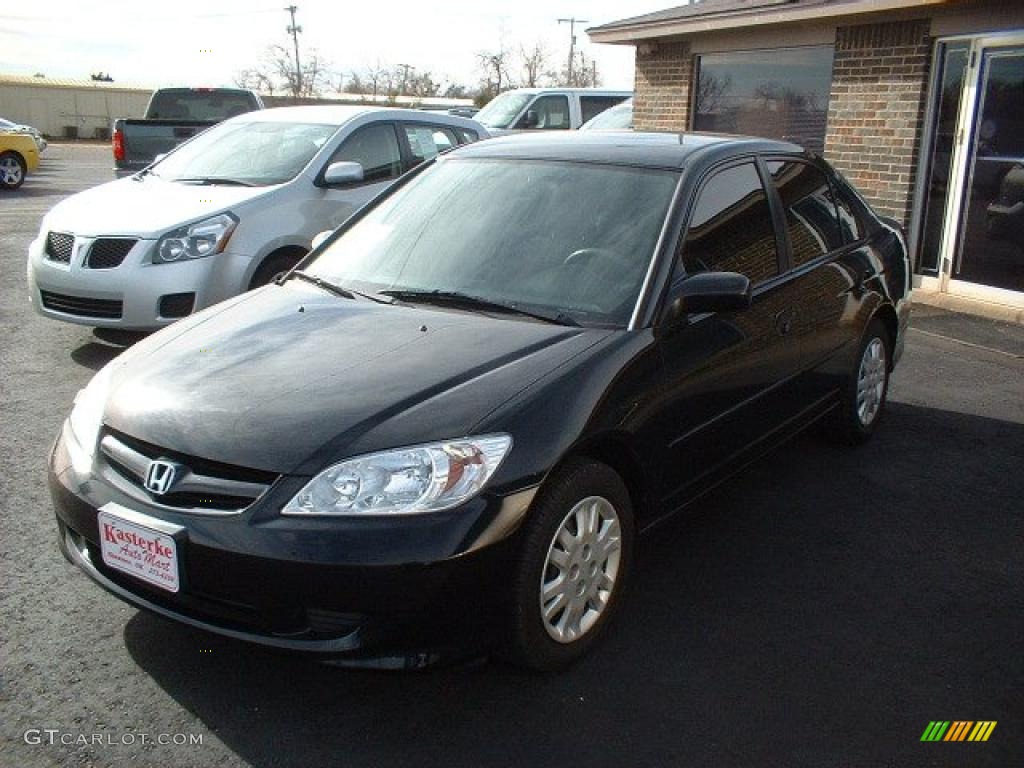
(129, 545)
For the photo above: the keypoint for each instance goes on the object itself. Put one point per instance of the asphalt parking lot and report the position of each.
(820, 610)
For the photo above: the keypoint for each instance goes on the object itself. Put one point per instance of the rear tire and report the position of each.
(573, 567)
(273, 266)
(12, 170)
(863, 398)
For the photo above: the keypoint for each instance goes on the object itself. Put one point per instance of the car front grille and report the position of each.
(105, 309)
(58, 246)
(109, 252)
(204, 485)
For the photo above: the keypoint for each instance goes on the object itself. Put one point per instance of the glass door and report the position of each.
(988, 248)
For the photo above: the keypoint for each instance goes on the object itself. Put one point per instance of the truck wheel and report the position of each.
(12, 170)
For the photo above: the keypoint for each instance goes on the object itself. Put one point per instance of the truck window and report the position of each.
(552, 113)
(192, 104)
(591, 106)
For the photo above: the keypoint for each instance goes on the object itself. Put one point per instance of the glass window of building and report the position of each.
(780, 94)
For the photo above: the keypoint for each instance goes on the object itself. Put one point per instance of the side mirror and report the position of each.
(339, 174)
(708, 292)
(532, 120)
(321, 238)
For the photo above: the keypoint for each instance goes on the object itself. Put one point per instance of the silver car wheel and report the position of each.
(871, 381)
(10, 171)
(580, 569)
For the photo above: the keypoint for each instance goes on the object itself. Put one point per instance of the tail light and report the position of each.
(118, 144)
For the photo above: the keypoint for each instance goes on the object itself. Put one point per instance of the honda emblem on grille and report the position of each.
(160, 476)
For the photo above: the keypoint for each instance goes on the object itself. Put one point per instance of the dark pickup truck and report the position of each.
(173, 116)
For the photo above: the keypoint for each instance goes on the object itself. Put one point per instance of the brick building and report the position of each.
(919, 102)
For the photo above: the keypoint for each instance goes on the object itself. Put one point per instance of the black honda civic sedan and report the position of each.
(447, 426)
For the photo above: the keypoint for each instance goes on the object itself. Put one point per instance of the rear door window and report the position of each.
(375, 147)
(427, 141)
(811, 220)
(731, 227)
(591, 106)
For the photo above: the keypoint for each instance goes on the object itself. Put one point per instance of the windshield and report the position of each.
(187, 104)
(563, 238)
(501, 111)
(619, 117)
(257, 153)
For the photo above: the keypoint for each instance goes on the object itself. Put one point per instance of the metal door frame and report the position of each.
(960, 172)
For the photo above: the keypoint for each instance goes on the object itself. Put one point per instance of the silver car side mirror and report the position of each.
(343, 172)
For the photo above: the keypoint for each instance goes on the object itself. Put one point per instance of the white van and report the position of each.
(525, 109)
(224, 212)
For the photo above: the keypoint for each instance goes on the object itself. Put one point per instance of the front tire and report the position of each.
(574, 564)
(863, 398)
(12, 170)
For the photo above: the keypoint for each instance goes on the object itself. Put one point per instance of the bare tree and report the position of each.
(276, 71)
(533, 62)
(710, 92)
(494, 67)
(583, 75)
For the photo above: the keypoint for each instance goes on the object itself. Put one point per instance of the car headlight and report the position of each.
(194, 241)
(87, 415)
(404, 481)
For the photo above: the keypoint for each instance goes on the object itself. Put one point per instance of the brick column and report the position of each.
(662, 87)
(876, 110)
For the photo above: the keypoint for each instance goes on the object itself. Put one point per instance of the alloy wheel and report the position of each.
(871, 381)
(580, 569)
(10, 171)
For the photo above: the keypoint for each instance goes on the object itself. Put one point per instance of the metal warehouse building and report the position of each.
(919, 102)
(69, 108)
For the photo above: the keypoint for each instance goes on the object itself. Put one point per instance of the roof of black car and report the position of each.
(661, 150)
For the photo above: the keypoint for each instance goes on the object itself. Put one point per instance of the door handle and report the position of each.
(784, 321)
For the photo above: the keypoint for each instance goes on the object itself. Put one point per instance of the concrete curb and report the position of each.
(987, 309)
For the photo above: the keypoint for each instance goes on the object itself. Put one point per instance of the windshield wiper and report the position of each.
(457, 298)
(337, 290)
(214, 181)
(319, 282)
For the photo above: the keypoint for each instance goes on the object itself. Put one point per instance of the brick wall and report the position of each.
(876, 110)
(662, 87)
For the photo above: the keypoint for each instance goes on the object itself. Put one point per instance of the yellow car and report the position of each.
(18, 156)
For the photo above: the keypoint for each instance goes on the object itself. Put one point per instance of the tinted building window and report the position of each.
(811, 219)
(731, 228)
(781, 93)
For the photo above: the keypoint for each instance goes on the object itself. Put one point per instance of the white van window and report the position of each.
(552, 113)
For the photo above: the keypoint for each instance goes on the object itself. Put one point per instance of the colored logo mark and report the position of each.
(958, 730)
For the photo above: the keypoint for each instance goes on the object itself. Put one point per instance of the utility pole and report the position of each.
(294, 30)
(572, 21)
(405, 75)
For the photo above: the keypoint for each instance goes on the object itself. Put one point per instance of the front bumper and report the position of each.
(394, 589)
(133, 290)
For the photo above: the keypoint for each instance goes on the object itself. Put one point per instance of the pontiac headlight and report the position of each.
(404, 481)
(194, 241)
(87, 415)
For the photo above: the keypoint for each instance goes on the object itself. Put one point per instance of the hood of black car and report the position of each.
(289, 378)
